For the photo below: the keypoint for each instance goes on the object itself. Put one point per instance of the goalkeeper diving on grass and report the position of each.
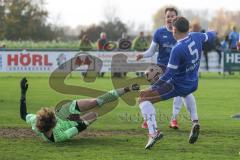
(66, 121)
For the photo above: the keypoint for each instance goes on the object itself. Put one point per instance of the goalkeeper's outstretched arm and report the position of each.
(23, 107)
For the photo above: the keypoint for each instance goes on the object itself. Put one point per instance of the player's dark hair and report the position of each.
(46, 120)
(181, 24)
(171, 9)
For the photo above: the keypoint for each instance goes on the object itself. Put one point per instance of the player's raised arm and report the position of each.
(149, 52)
(209, 36)
(23, 107)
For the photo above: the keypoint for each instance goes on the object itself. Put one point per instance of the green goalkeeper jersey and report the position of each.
(64, 129)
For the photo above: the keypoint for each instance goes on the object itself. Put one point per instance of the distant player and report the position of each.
(163, 40)
(66, 122)
(180, 78)
(233, 38)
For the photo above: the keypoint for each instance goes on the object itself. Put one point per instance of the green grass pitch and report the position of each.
(117, 135)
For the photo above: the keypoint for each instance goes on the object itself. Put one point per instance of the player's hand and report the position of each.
(139, 57)
(24, 85)
(135, 87)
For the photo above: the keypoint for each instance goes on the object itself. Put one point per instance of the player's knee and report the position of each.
(141, 99)
(142, 96)
(142, 93)
(94, 101)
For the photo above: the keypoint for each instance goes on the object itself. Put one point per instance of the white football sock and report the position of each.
(191, 106)
(177, 105)
(149, 114)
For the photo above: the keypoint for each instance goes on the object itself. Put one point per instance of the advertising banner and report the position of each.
(48, 61)
(231, 61)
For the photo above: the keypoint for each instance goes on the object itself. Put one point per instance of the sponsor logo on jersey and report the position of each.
(167, 45)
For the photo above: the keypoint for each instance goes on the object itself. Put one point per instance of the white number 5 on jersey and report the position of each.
(193, 51)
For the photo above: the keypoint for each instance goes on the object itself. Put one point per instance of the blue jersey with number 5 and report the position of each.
(184, 62)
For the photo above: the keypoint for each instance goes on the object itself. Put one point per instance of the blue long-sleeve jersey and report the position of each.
(184, 62)
(164, 38)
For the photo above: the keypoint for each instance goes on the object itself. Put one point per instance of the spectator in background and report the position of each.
(208, 47)
(218, 48)
(123, 44)
(225, 46)
(85, 43)
(2, 45)
(140, 43)
(233, 39)
(102, 41)
(149, 38)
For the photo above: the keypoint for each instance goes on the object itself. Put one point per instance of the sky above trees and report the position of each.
(139, 12)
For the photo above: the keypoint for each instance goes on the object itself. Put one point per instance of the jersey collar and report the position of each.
(168, 29)
(182, 39)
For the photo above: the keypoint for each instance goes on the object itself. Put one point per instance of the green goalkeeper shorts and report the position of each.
(66, 109)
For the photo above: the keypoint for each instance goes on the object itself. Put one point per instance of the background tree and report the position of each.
(114, 29)
(93, 32)
(197, 16)
(220, 20)
(112, 26)
(223, 21)
(2, 19)
(25, 20)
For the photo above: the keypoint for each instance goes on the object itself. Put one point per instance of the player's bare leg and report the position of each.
(149, 95)
(89, 118)
(71, 109)
(110, 96)
(84, 105)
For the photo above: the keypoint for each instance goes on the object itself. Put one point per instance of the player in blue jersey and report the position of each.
(233, 38)
(163, 40)
(180, 78)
